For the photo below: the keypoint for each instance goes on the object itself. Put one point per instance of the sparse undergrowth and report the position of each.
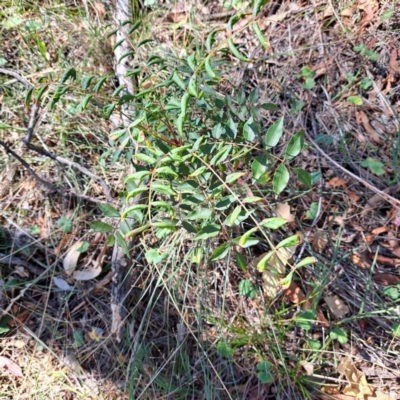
(258, 268)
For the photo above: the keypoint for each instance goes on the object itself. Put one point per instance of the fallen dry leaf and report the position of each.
(330, 389)
(386, 279)
(353, 196)
(270, 283)
(376, 200)
(62, 284)
(64, 240)
(337, 219)
(381, 229)
(283, 210)
(101, 10)
(294, 294)
(178, 13)
(383, 259)
(320, 241)
(357, 382)
(394, 245)
(361, 260)
(241, 23)
(71, 258)
(308, 367)
(337, 306)
(11, 366)
(346, 12)
(93, 271)
(19, 344)
(372, 133)
(321, 317)
(21, 317)
(362, 324)
(369, 7)
(87, 274)
(347, 239)
(337, 182)
(369, 239)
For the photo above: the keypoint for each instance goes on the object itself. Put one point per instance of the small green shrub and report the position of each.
(197, 152)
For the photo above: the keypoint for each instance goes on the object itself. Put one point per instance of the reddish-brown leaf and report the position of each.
(381, 229)
(382, 259)
(362, 324)
(372, 133)
(337, 182)
(386, 279)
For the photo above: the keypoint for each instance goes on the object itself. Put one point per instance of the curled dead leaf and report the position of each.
(386, 279)
(320, 241)
(87, 274)
(372, 133)
(11, 366)
(394, 245)
(357, 382)
(62, 284)
(347, 239)
(378, 231)
(93, 271)
(321, 318)
(383, 259)
(376, 200)
(71, 258)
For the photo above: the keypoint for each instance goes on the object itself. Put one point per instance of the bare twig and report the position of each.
(17, 76)
(28, 168)
(13, 260)
(27, 141)
(382, 194)
(42, 275)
